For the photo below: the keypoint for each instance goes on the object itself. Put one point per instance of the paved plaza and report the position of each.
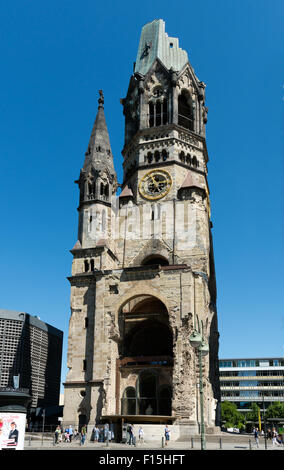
(221, 442)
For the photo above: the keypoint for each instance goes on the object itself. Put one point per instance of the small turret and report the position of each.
(97, 183)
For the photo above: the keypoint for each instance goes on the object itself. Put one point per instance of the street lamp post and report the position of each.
(197, 341)
(264, 422)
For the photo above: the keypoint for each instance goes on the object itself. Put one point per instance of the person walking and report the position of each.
(57, 434)
(96, 433)
(256, 437)
(167, 434)
(70, 431)
(141, 435)
(106, 429)
(274, 438)
(83, 434)
(130, 430)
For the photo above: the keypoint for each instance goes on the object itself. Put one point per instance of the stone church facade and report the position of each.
(143, 266)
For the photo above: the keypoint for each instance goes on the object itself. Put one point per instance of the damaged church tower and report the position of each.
(143, 276)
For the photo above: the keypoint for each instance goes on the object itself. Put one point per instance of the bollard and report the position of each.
(107, 441)
(249, 444)
(220, 443)
(30, 438)
(192, 443)
(163, 442)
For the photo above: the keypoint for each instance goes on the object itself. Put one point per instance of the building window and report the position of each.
(158, 109)
(128, 403)
(185, 111)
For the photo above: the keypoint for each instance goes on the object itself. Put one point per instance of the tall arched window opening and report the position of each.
(158, 109)
(185, 111)
(151, 115)
(158, 113)
(128, 402)
(165, 112)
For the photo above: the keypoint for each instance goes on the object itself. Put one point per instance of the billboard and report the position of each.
(12, 430)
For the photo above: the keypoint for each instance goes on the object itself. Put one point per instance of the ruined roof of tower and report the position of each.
(99, 154)
(191, 180)
(155, 43)
(126, 192)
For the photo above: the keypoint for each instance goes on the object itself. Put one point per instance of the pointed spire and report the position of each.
(99, 154)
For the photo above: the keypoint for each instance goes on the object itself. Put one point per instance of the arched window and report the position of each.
(92, 265)
(147, 390)
(158, 109)
(151, 115)
(157, 156)
(86, 265)
(165, 112)
(185, 111)
(149, 157)
(90, 188)
(188, 159)
(164, 155)
(194, 161)
(155, 259)
(128, 403)
(158, 113)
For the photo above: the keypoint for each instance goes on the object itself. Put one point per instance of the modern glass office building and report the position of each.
(247, 381)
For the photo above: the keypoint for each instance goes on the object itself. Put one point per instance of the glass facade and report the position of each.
(247, 381)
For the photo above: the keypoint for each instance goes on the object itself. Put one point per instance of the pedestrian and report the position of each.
(70, 431)
(269, 434)
(167, 434)
(96, 432)
(66, 435)
(274, 438)
(141, 435)
(130, 431)
(57, 434)
(83, 434)
(106, 429)
(256, 436)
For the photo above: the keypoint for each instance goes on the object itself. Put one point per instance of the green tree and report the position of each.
(275, 410)
(231, 416)
(253, 414)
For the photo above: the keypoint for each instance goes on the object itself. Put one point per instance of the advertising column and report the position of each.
(13, 411)
(12, 430)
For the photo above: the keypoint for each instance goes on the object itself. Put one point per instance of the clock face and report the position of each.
(155, 184)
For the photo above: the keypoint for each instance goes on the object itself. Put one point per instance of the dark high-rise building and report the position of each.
(30, 356)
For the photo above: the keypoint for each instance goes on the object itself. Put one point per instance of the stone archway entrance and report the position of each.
(146, 358)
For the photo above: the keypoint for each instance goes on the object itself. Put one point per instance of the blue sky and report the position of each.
(55, 56)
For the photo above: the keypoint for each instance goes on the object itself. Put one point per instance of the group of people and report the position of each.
(65, 435)
(132, 439)
(277, 439)
(101, 434)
